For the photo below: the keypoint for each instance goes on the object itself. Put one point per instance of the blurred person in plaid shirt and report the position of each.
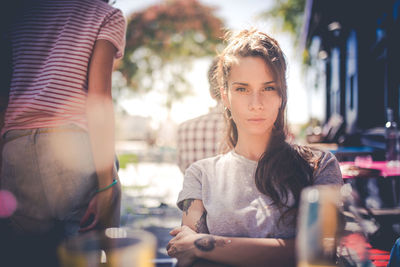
(201, 137)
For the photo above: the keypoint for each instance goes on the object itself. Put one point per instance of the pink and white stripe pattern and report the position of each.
(52, 44)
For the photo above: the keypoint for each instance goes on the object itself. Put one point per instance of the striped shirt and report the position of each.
(52, 44)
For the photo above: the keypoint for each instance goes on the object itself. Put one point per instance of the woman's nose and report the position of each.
(256, 102)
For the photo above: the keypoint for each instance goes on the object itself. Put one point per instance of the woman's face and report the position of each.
(252, 96)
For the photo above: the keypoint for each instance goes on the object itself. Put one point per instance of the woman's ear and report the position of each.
(224, 96)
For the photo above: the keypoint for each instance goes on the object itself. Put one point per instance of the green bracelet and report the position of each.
(108, 186)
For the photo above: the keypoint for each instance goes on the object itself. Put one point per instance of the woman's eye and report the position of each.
(269, 88)
(241, 89)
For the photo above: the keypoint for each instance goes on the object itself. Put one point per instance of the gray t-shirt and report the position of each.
(234, 206)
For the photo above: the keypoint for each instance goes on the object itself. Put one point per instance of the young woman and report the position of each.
(240, 208)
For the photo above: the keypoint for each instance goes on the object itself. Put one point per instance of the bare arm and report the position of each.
(246, 251)
(194, 215)
(188, 245)
(100, 117)
(100, 110)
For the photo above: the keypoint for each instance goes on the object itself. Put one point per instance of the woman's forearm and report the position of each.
(100, 118)
(246, 251)
(100, 111)
(189, 243)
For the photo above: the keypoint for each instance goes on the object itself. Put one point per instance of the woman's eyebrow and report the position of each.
(269, 82)
(246, 84)
(239, 83)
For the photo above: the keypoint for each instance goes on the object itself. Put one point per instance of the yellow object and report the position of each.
(316, 240)
(114, 247)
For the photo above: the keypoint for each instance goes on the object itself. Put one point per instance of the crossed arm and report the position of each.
(192, 241)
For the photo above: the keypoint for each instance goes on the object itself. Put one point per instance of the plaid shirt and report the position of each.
(200, 137)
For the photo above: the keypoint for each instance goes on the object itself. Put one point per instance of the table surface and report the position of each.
(352, 149)
(385, 170)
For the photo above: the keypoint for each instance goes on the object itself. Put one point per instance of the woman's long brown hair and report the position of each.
(283, 168)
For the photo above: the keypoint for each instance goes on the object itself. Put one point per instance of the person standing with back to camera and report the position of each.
(240, 208)
(58, 129)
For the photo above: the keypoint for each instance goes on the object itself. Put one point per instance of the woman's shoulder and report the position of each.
(211, 164)
(327, 169)
(323, 157)
(325, 166)
(314, 155)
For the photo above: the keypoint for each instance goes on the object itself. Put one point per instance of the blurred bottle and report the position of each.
(328, 232)
(318, 223)
(392, 141)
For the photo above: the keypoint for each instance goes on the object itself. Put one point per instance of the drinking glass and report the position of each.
(318, 222)
(113, 247)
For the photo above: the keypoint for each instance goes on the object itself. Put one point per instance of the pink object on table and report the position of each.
(378, 165)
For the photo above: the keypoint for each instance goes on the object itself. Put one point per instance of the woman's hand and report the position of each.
(182, 247)
(98, 211)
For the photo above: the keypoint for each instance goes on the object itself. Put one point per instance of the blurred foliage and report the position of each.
(288, 14)
(124, 159)
(162, 41)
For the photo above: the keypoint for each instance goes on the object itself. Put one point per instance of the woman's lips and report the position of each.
(256, 120)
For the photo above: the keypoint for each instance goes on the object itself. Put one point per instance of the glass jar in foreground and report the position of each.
(113, 247)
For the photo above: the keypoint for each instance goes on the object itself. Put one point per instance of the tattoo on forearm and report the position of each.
(201, 224)
(186, 205)
(208, 243)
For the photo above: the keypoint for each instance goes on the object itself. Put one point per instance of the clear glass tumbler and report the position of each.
(318, 221)
(113, 247)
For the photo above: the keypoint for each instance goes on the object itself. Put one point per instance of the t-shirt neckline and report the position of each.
(242, 158)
